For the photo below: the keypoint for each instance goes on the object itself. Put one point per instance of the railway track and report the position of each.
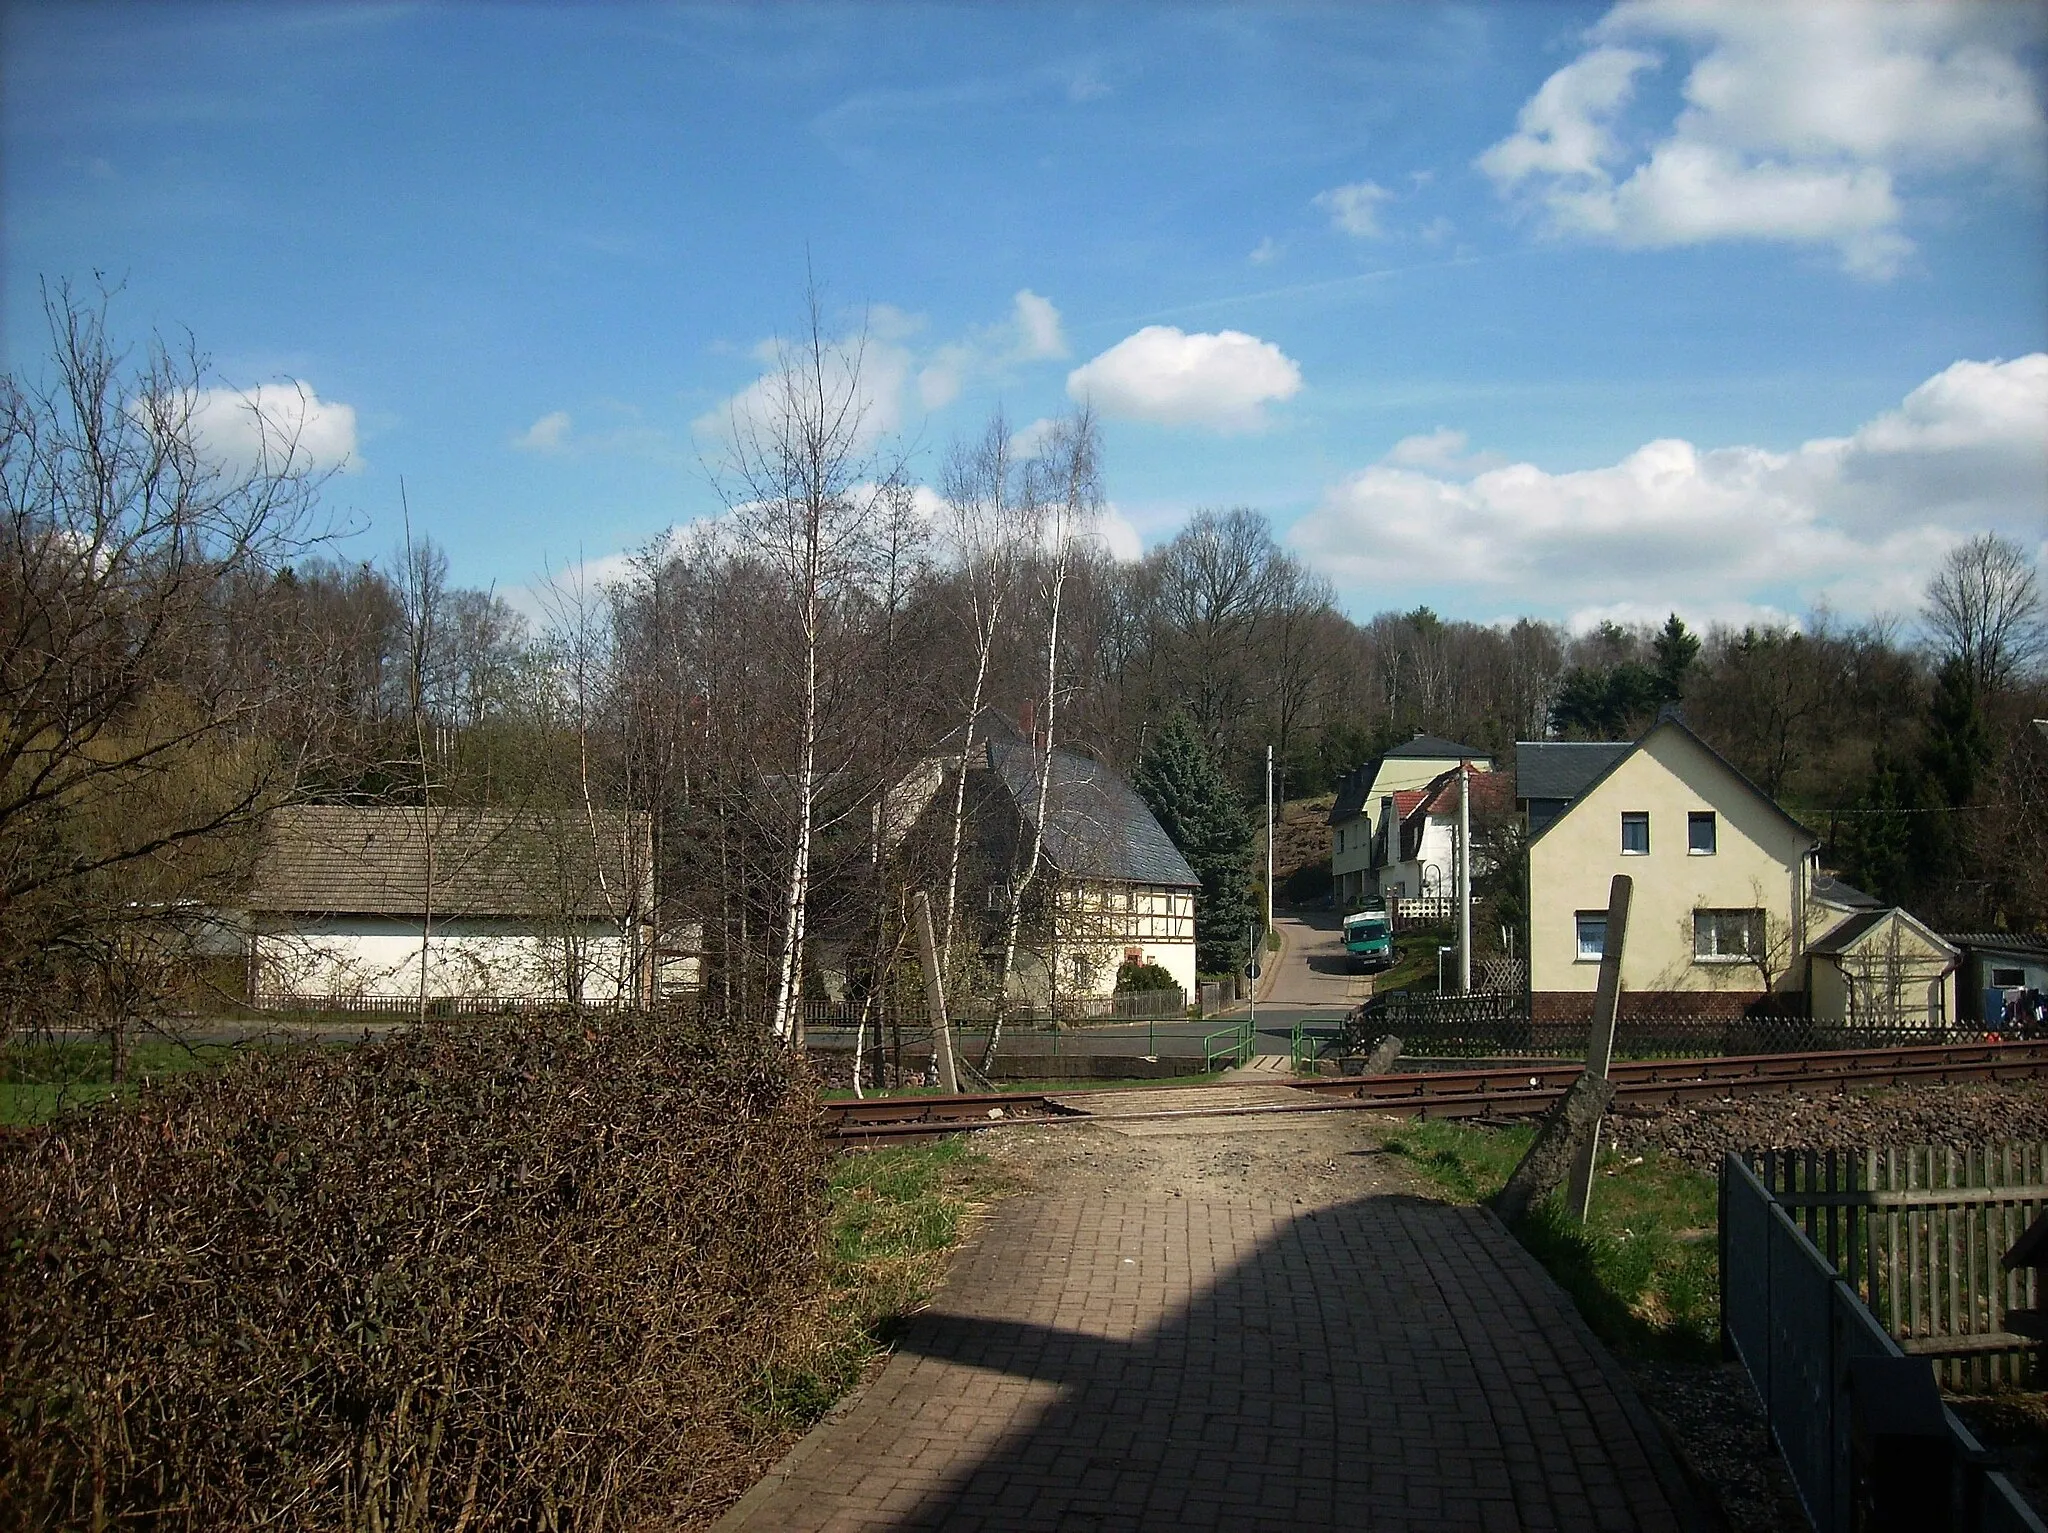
(1496, 1093)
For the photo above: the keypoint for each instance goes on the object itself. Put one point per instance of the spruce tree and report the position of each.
(1179, 780)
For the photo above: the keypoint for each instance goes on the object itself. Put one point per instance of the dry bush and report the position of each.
(536, 1273)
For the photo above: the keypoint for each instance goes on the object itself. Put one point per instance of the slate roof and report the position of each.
(1096, 825)
(336, 859)
(1832, 891)
(1563, 769)
(1436, 745)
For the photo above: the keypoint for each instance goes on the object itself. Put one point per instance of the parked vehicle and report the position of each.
(1369, 939)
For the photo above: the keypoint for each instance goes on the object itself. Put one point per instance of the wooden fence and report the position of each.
(1919, 1234)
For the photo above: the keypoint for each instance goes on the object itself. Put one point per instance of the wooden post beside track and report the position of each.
(935, 997)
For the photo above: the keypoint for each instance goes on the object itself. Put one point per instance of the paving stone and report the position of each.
(1101, 1363)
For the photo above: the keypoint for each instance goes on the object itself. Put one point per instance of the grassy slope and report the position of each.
(1644, 1269)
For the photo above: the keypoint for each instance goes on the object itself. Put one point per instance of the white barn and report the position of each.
(353, 903)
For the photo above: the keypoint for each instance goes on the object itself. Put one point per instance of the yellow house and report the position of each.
(1721, 875)
(1365, 821)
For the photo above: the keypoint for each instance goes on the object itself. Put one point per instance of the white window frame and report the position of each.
(1582, 921)
(1712, 821)
(1635, 815)
(1707, 924)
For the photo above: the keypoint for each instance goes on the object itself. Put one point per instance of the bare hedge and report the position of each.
(536, 1273)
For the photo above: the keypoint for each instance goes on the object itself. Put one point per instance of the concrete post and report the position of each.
(935, 996)
(1600, 1044)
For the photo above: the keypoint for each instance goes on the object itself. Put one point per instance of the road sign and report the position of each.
(1251, 970)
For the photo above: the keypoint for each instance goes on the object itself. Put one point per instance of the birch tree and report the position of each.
(989, 509)
(807, 489)
(1066, 499)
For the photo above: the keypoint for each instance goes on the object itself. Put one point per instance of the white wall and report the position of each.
(376, 955)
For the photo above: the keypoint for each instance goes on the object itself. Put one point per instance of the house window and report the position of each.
(2009, 979)
(1727, 935)
(1592, 935)
(1700, 834)
(1084, 971)
(1635, 835)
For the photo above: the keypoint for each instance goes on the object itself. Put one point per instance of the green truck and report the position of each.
(1369, 939)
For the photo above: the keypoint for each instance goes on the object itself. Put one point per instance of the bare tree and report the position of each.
(1068, 500)
(1984, 606)
(129, 713)
(988, 515)
(806, 490)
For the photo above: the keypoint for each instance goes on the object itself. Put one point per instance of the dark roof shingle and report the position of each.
(1563, 768)
(1096, 825)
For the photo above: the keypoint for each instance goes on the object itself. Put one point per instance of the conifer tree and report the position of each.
(1178, 778)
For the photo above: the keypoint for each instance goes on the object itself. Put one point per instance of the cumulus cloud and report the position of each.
(1857, 521)
(1799, 124)
(1118, 536)
(1355, 208)
(1161, 374)
(868, 373)
(243, 429)
(548, 434)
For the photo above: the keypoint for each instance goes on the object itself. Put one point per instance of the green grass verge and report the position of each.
(896, 1215)
(1644, 1270)
(40, 1079)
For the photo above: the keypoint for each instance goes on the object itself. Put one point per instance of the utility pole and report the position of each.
(1269, 838)
(1464, 878)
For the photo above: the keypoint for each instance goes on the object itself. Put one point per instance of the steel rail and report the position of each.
(1495, 1093)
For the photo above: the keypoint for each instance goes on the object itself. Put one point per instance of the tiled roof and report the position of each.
(1441, 796)
(1096, 825)
(1562, 769)
(1352, 791)
(349, 860)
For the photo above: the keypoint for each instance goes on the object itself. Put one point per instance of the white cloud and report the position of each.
(548, 434)
(869, 372)
(1354, 208)
(890, 363)
(1119, 537)
(1038, 327)
(1163, 375)
(1026, 444)
(1858, 521)
(1267, 251)
(241, 429)
(1799, 124)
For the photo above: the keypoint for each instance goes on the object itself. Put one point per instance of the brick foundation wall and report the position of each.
(1648, 1005)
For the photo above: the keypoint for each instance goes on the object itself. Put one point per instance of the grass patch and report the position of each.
(896, 1215)
(1644, 1270)
(40, 1078)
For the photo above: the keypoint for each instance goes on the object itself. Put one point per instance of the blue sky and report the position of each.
(1567, 310)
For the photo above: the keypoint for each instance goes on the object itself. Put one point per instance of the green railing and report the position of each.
(1303, 1049)
(1233, 1044)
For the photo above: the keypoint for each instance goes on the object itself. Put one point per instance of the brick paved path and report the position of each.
(1388, 1364)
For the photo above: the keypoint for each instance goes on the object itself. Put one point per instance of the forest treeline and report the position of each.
(184, 652)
